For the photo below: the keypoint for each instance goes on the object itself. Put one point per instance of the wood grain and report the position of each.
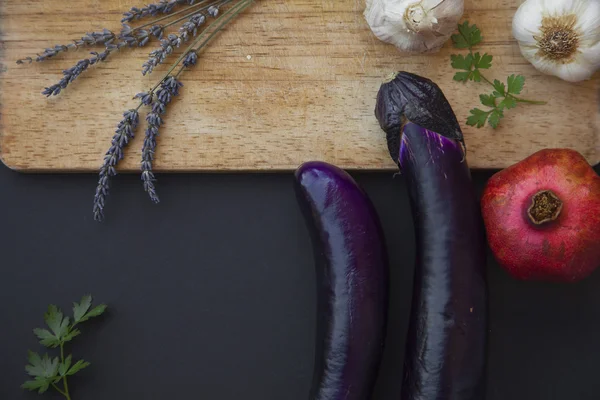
(288, 81)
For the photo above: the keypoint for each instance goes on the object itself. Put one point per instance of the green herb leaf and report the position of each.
(482, 62)
(69, 336)
(42, 366)
(47, 338)
(508, 102)
(64, 366)
(488, 100)
(461, 62)
(515, 84)
(467, 37)
(94, 312)
(462, 76)
(500, 88)
(54, 320)
(78, 366)
(476, 76)
(495, 117)
(478, 117)
(80, 309)
(40, 384)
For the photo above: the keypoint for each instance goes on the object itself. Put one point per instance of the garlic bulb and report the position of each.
(414, 26)
(560, 37)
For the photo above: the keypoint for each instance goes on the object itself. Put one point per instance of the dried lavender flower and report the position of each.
(103, 37)
(159, 55)
(190, 59)
(213, 11)
(69, 75)
(146, 98)
(129, 37)
(187, 30)
(157, 31)
(134, 37)
(168, 89)
(162, 7)
(124, 132)
(190, 28)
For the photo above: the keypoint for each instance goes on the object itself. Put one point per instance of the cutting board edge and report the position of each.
(220, 170)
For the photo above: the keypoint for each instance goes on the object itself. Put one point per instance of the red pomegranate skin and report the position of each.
(566, 249)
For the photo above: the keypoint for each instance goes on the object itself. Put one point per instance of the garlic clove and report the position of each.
(526, 22)
(560, 7)
(588, 22)
(591, 54)
(572, 72)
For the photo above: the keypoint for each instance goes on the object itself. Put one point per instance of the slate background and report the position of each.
(211, 294)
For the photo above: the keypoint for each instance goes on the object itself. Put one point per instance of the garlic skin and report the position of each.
(560, 37)
(414, 26)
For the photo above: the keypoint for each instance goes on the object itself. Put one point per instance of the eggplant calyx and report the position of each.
(405, 97)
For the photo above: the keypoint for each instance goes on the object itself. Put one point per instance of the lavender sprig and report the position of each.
(169, 88)
(128, 36)
(89, 39)
(133, 36)
(186, 31)
(124, 133)
(162, 7)
(69, 75)
(159, 55)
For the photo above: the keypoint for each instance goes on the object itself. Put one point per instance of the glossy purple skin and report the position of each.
(446, 343)
(352, 277)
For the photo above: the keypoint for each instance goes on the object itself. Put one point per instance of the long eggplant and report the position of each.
(445, 354)
(352, 279)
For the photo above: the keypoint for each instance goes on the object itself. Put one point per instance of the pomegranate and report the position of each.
(542, 217)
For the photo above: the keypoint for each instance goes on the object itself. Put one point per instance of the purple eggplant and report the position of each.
(445, 354)
(352, 281)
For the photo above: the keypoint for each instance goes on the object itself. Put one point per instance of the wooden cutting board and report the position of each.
(288, 81)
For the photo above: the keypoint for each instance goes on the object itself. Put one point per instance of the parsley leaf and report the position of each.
(515, 84)
(39, 384)
(462, 76)
(80, 309)
(56, 323)
(508, 102)
(78, 366)
(482, 62)
(468, 36)
(47, 338)
(500, 88)
(478, 117)
(487, 100)
(64, 366)
(42, 366)
(94, 312)
(495, 116)
(461, 62)
(69, 336)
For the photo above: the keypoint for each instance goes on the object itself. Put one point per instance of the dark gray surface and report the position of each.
(211, 293)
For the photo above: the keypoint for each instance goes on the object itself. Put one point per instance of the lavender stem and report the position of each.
(89, 39)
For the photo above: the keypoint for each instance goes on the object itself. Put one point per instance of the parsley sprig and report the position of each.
(504, 96)
(49, 372)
